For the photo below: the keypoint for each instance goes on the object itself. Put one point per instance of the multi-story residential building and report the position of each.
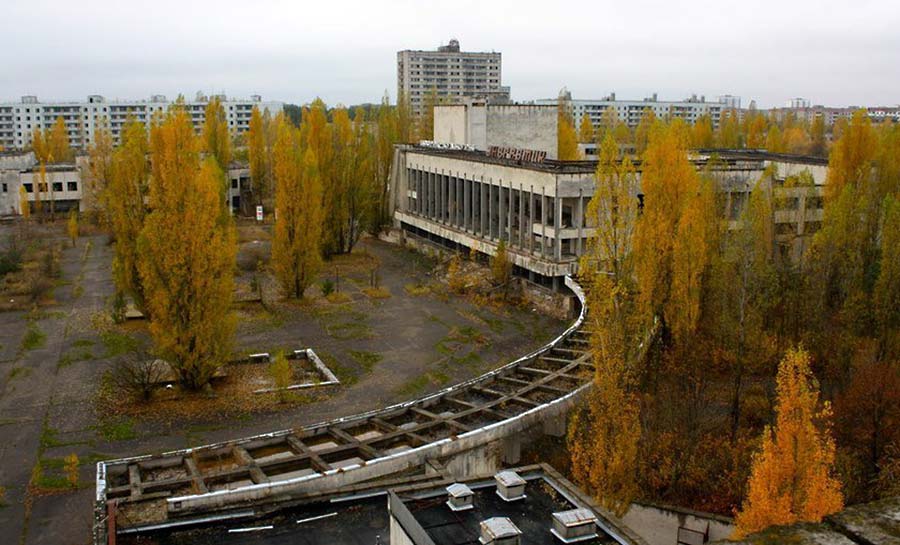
(450, 73)
(18, 120)
(631, 111)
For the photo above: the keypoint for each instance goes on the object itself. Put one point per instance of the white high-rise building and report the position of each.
(19, 119)
(451, 73)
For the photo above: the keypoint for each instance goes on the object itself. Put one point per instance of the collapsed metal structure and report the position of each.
(204, 483)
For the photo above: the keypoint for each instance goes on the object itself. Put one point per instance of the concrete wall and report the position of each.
(450, 124)
(659, 525)
(523, 126)
(484, 125)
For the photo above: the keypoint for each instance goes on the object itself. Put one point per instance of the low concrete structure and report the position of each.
(471, 427)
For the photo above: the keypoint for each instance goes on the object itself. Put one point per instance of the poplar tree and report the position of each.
(668, 181)
(216, 136)
(100, 172)
(586, 130)
(57, 143)
(125, 209)
(187, 254)
(792, 478)
(296, 243)
(260, 156)
(604, 433)
(567, 138)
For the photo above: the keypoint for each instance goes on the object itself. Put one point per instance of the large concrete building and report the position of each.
(19, 119)
(451, 73)
(630, 112)
(471, 197)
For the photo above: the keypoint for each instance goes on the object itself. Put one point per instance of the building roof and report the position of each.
(547, 496)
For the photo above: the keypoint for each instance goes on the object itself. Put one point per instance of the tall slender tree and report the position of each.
(187, 254)
(296, 244)
(125, 209)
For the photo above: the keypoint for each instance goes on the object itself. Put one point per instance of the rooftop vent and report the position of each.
(499, 531)
(510, 486)
(574, 525)
(460, 497)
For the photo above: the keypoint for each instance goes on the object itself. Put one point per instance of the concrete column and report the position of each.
(580, 222)
(557, 220)
(490, 208)
(531, 220)
(543, 222)
(521, 217)
(453, 221)
(440, 197)
(510, 210)
(445, 197)
(467, 202)
(481, 208)
(501, 208)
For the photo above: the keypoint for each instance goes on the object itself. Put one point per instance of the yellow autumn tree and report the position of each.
(668, 181)
(694, 240)
(586, 130)
(296, 243)
(702, 136)
(125, 209)
(642, 131)
(604, 432)
(99, 173)
(260, 156)
(57, 142)
(792, 476)
(24, 205)
(729, 134)
(216, 136)
(187, 254)
(567, 138)
(72, 226)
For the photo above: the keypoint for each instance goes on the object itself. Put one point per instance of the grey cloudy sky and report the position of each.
(832, 52)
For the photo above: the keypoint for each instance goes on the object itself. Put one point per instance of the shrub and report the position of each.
(501, 266)
(281, 373)
(327, 287)
(139, 375)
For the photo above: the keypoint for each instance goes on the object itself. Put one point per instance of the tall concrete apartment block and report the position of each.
(452, 74)
(19, 119)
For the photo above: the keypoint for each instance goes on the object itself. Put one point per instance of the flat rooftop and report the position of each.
(531, 515)
(355, 522)
(726, 160)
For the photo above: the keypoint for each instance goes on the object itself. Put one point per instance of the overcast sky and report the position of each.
(833, 52)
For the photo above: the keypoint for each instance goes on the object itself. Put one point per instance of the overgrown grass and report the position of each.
(117, 344)
(417, 290)
(121, 429)
(377, 293)
(366, 359)
(34, 338)
(17, 372)
(69, 358)
(417, 385)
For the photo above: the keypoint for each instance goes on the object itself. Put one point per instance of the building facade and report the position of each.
(467, 200)
(18, 120)
(452, 74)
(630, 112)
